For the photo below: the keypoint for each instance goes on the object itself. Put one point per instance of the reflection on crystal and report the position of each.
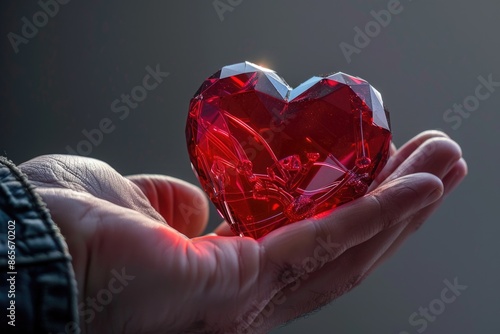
(380, 117)
(291, 163)
(268, 155)
(301, 208)
(359, 183)
(218, 168)
(244, 167)
(363, 162)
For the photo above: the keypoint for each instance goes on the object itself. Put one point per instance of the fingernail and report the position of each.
(434, 196)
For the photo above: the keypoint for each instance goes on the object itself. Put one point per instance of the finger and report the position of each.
(224, 230)
(307, 290)
(183, 205)
(392, 149)
(308, 285)
(452, 178)
(403, 153)
(435, 156)
(348, 268)
(350, 224)
(455, 176)
(450, 182)
(396, 235)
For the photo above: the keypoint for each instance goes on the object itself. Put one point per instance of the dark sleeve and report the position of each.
(38, 291)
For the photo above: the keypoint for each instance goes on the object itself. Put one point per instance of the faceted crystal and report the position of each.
(268, 155)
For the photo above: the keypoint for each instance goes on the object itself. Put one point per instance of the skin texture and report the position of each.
(147, 228)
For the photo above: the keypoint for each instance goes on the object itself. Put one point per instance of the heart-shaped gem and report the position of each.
(268, 155)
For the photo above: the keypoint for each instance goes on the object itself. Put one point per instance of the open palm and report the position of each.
(142, 265)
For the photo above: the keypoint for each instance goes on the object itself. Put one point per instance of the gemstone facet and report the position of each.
(268, 155)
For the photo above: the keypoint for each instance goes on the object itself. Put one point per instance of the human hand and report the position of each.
(146, 230)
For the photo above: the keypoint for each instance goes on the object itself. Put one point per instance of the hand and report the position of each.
(142, 266)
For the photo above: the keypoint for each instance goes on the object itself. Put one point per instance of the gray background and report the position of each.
(428, 58)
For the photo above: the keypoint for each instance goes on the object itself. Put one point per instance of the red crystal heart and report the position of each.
(268, 155)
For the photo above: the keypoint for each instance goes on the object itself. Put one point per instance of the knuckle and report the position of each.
(388, 205)
(380, 207)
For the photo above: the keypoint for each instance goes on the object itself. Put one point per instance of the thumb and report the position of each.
(183, 205)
